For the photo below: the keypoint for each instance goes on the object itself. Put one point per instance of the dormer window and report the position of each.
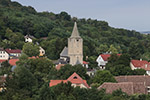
(75, 77)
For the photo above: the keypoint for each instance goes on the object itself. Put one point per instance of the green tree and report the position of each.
(25, 78)
(103, 48)
(21, 84)
(136, 50)
(69, 70)
(31, 49)
(64, 88)
(103, 76)
(117, 98)
(5, 68)
(62, 96)
(46, 93)
(139, 72)
(119, 65)
(112, 49)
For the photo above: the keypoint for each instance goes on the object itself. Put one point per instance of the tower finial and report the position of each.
(75, 32)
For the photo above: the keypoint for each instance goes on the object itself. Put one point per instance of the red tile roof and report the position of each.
(2, 61)
(13, 61)
(55, 82)
(33, 57)
(84, 62)
(74, 79)
(59, 66)
(106, 56)
(13, 51)
(128, 87)
(141, 64)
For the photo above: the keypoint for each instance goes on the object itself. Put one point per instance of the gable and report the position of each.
(75, 79)
(139, 63)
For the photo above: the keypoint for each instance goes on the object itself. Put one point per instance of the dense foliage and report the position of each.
(30, 79)
(120, 65)
(17, 20)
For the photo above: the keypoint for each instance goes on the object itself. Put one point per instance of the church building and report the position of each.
(74, 53)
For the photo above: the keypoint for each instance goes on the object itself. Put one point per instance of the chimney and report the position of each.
(140, 59)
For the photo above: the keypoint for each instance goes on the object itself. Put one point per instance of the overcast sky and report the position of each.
(128, 14)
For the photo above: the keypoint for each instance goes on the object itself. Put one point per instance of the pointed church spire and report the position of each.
(75, 32)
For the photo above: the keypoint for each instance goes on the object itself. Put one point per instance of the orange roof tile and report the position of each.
(55, 82)
(141, 64)
(13, 61)
(74, 79)
(33, 57)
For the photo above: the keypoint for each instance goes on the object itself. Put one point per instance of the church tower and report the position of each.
(75, 47)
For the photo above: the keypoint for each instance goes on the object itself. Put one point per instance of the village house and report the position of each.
(127, 87)
(3, 54)
(140, 64)
(13, 52)
(135, 84)
(29, 38)
(75, 80)
(102, 60)
(42, 51)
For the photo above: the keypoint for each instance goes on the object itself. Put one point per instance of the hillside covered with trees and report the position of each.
(30, 79)
(16, 21)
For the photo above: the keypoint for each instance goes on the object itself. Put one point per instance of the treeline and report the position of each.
(30, 81)
(98, 36)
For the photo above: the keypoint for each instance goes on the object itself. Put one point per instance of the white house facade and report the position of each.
(3, 54)
(140, 64)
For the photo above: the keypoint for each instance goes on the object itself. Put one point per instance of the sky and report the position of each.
(127, 14)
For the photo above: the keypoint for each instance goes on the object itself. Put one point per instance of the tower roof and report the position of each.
(75, 32)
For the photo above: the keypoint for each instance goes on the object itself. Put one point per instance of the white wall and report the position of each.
(100, 61)
(4, 55)
(27, 39)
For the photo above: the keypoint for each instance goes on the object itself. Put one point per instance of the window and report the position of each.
(75, 77)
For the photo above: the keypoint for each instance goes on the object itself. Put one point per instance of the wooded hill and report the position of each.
(17, 20)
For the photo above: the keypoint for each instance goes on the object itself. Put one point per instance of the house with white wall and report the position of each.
(13, 52)
(29, 38)
(42, 51)
(4, 55)
(102, 60)
(140, 64)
